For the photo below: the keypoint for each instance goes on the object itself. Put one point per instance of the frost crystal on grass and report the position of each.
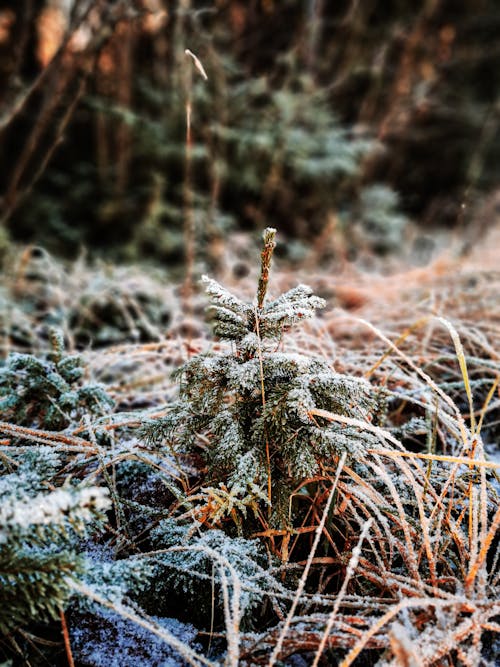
(58, 506)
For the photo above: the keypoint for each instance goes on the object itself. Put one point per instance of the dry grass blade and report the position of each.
(463, 367)
(481, 556)
(465, 435)
(477, 463)
(486, 403)
(47, 437)
(67, 644)
(388, 616)
(351, 421)
(353, 562)
(303, 578)
(197, 63)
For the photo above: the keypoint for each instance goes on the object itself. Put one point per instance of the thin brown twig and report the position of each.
(47, 437)
(65, 634)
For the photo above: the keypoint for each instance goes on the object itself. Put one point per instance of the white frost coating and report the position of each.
(223, 297)
(46, 509)
(111, 640)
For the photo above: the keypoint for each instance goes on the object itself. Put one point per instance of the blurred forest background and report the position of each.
(354, 126)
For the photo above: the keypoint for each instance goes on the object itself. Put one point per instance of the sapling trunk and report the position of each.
(265, 264)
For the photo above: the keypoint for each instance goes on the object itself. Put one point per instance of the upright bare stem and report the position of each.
(189, 231)
(265, 264)
(189, 222)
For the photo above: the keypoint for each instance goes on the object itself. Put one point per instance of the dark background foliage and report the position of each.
(307, 105)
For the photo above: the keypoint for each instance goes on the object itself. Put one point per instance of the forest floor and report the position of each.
(396, 579)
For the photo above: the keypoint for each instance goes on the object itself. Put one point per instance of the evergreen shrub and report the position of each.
(48, 393)
(254, 410)
(39, 533)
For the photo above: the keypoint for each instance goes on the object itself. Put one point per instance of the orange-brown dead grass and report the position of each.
(387, 328)
(463, 289)
(404, 330)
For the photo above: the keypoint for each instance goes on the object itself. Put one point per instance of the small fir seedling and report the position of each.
(255, 406)
(40, 529)
(48, 393)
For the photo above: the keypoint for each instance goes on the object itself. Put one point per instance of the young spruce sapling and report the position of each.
(254, 406)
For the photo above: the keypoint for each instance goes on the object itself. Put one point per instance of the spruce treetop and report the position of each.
(247, 323)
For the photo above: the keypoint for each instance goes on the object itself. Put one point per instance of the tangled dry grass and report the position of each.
(398, 565)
